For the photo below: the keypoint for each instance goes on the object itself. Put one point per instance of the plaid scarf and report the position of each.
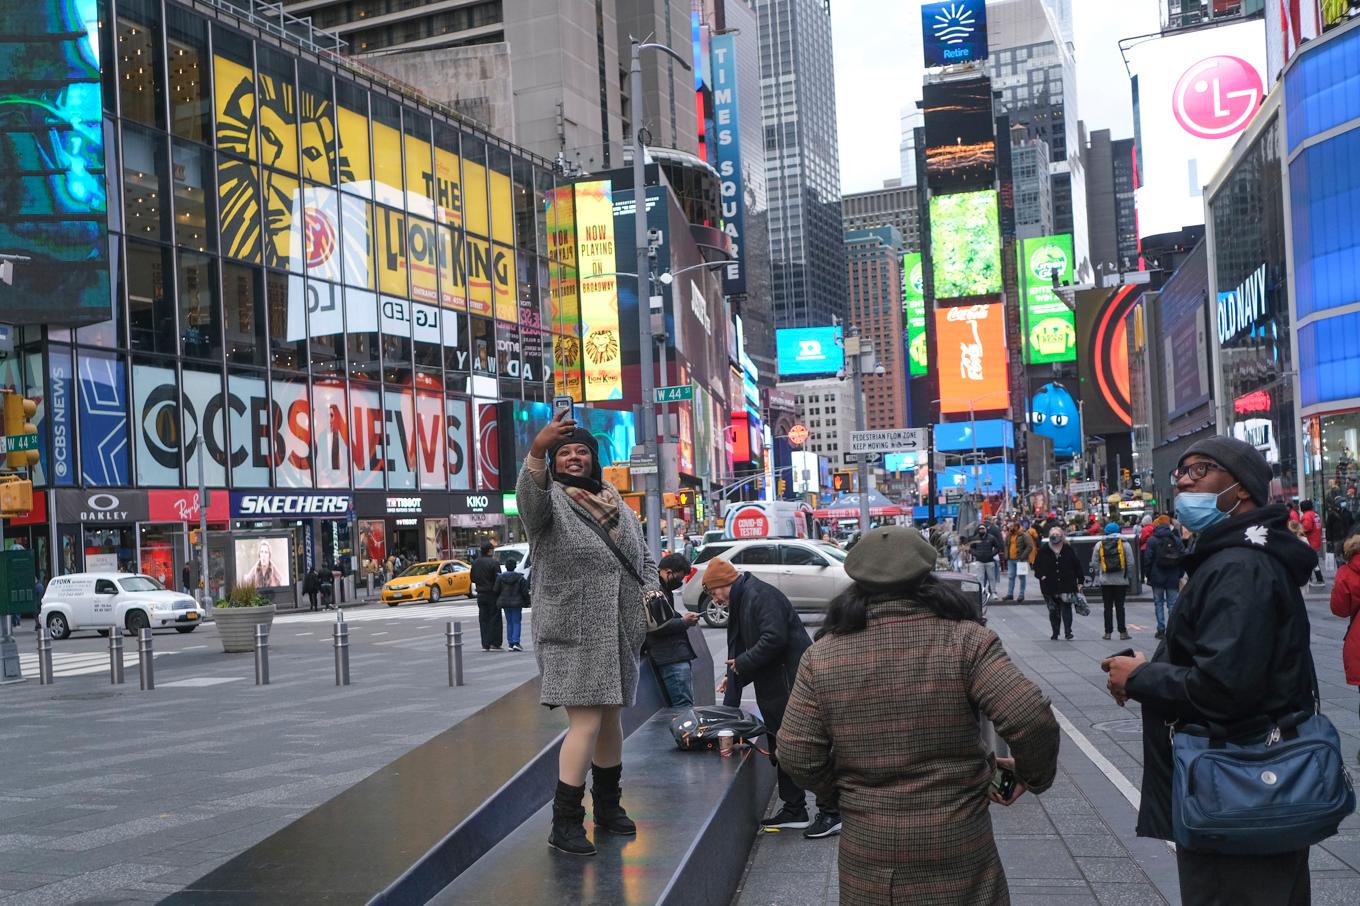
(602, 507)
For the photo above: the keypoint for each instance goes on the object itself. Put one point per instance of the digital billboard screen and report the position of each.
(965, 245)
(971, 341)
(954, 31)
(914, 313)
(960, 135)
(1049, 327)
(1103, 357)
(981, 433)
(54, 266)
(809, 350)
(1196, 93)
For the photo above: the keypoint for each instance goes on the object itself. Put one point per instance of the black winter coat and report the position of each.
(485, 572)
(1236, 646)
(1163, 576)
(1060, 573)
(767, 639)
(668, 643)
(512, 590)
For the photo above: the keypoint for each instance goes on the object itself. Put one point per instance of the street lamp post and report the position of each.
(859, 354)
(651, 485)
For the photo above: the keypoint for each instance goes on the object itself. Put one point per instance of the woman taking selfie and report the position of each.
(587, 586)
(884, 712)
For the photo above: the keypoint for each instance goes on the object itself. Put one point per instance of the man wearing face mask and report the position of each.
(1060, 579)
(668, 644)
(1236, 651)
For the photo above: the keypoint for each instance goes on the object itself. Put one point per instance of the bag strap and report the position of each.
(604, 536)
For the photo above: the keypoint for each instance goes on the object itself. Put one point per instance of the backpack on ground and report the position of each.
(1109, 558)
(1167, 555)
(697, 728)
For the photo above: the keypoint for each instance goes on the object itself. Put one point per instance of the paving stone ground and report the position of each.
(114, 795)
(1075, 844)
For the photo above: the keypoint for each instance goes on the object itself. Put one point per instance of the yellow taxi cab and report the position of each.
(429, 581)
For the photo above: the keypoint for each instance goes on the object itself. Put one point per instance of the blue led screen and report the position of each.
(1325, 186)
(1329, 360)
(613, 429)
(958, 436)
(1322, 88)
(992, 478)
(809, 350)
(954, 31)
(53, 201)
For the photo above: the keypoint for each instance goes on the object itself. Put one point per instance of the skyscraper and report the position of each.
(874, 263)
(912, 119)
(798, 112)
(894, 205)
(1034, 75)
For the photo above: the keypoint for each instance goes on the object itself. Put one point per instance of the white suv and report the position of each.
(809, 573)
(105, 601)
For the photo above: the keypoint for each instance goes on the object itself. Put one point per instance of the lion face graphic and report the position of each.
(602, 345)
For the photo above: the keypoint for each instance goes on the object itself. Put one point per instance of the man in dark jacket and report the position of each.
(765, 642)
(485, 570)
(311, 585)
(1236, 652)
(668, 644)
(512, 596)
(1060, 579)
(985, 548)
(1162, 564)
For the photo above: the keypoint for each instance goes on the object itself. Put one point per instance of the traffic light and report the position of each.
(684, 498)
(783, 487)
(18, 411)
(668, 500)
(842, 482)
(16, 496)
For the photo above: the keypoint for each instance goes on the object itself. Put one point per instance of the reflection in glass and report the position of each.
(282, 293)
(139, 61)
(243, 300)
(192, 172)
(187, 36)
(151, 312)
(202, 332)
(144, 187)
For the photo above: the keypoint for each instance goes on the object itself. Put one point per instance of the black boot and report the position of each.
(568, 823)
(605, 792)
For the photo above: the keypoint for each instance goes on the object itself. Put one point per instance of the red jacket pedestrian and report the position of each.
(1346, 604)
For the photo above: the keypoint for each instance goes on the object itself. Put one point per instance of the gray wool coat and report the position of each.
(588, 617)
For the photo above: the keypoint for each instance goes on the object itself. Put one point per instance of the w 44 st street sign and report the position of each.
(680, 394)
(18, 443)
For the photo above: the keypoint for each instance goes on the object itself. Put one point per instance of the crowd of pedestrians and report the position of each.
(883, 716)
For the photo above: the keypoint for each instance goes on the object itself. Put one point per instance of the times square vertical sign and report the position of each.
(724, 76)
(54, 266)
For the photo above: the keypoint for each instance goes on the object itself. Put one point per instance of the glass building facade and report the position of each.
(319, 285)
(1322, 103)
(1250, 298)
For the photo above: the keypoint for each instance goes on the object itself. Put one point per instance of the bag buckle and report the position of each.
(1274, 736)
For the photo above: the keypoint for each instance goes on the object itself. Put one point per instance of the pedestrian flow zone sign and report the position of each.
(896, 440)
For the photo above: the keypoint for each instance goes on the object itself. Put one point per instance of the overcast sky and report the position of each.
(878, 72)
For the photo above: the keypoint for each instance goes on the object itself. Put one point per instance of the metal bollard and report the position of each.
(340, 636)
(146, 660)
(116, 656)
(261, 655)
(453, 640)
(44, 657)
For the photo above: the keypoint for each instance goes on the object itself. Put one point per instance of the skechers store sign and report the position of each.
(1241, 308)
(267, 505)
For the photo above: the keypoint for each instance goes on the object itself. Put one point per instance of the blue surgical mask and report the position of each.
(1197, 510)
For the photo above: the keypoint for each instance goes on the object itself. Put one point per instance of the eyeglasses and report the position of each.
(1196, 470)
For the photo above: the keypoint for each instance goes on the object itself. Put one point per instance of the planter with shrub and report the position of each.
(238, 614)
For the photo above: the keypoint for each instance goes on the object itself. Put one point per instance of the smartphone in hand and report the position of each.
(1127, 652)
(1003, 782)
(563, 404)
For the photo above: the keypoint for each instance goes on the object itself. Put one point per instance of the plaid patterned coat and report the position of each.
(887, 718)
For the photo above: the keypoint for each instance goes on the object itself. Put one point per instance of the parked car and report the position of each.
(429, 581)
(809, 573)
(107, 601)
(517, 551)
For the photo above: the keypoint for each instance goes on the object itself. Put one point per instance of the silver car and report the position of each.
(809, 573)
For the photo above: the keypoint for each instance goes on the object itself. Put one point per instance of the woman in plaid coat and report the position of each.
(884, 711)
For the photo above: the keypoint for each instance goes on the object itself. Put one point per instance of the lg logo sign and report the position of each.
(1217, 97)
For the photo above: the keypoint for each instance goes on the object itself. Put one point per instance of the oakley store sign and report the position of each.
(96, 507)
(290, 505)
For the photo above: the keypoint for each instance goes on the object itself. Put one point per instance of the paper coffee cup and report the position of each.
(725, 740)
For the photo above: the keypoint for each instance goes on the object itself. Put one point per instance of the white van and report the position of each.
(103, 601)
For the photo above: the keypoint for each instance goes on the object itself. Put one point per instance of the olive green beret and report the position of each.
(889, 557)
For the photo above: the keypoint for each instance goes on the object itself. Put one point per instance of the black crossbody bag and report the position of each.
(623, 560)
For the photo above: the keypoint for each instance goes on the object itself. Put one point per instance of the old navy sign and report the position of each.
(282, 505)
(1241, 308)
(724, 50)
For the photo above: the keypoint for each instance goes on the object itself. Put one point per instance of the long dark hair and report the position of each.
(849, 610)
